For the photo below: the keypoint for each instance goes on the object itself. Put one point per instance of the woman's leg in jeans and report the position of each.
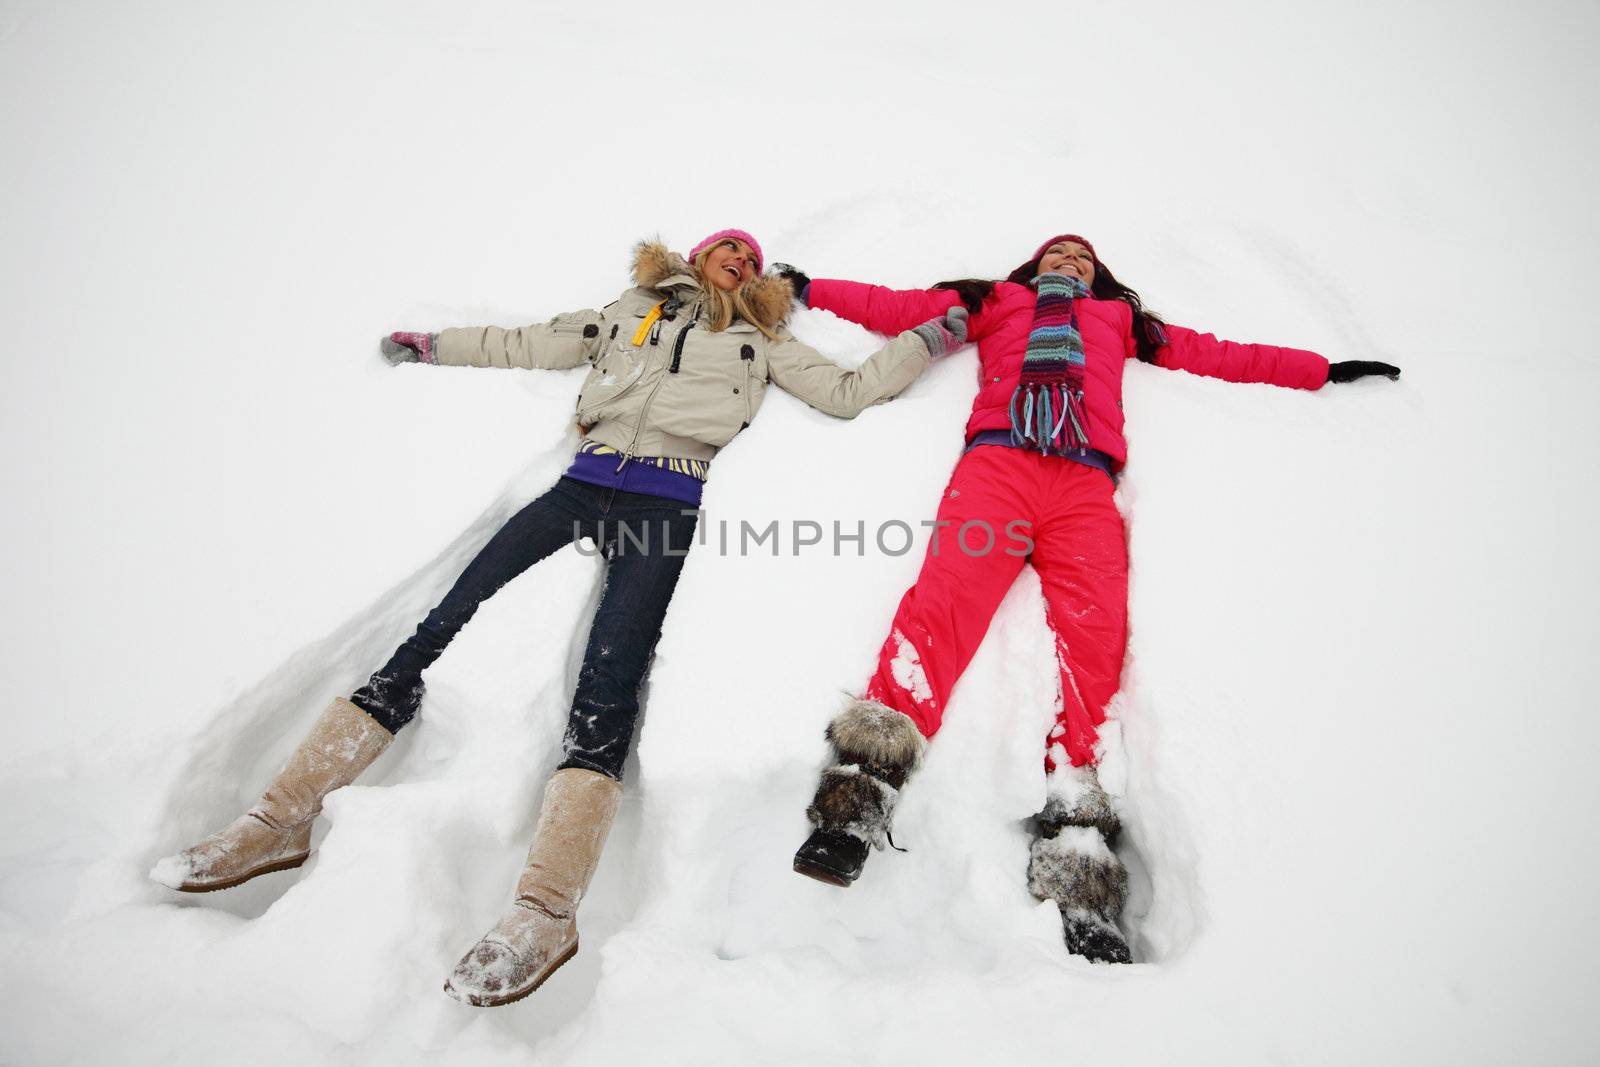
(640, 579)
(393, 694)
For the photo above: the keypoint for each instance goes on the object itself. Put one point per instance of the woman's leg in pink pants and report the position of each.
(1081, 554)
(943, 617)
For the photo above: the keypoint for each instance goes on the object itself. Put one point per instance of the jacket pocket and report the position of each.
(619, 367)
(603, 389)
(755, 368)
(708, 400)
(571, 339)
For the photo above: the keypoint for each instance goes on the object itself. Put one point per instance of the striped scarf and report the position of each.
(1047, 409)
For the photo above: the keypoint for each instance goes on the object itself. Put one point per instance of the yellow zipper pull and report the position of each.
(644, 327)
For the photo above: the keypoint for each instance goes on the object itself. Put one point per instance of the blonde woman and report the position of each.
(679, 366)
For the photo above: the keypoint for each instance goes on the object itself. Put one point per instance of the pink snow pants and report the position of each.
(1080, 553)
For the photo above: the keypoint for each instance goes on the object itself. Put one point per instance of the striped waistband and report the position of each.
(694, 468)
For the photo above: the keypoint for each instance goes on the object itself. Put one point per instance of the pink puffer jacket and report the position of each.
(1001, 332)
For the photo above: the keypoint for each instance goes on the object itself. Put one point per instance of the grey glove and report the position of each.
(404, 347)
(946, 333)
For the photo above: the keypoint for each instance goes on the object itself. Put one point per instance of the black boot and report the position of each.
(1093, 939)
(1071, 863)
(874, 749)
(832, 856)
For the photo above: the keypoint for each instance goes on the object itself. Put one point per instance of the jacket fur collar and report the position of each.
(656, 267)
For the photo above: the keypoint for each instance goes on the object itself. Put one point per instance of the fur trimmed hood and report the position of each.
(657, 267)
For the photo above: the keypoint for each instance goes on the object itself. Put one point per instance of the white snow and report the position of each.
(1068, 783)
(171, 871)
(1363, 622)
(906, 667)
(1083, 840)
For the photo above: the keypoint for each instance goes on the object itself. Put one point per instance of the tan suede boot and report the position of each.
(275, 834)
(540, 932)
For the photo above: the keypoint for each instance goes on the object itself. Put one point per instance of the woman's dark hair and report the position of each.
(1148, 336)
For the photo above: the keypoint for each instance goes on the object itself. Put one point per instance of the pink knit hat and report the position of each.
(1023, 275)
(1084, 241)
(719, 235)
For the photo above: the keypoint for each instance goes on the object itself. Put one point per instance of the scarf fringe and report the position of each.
(1049, 417)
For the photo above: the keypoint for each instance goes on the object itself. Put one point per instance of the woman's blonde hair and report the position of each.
(725, 305)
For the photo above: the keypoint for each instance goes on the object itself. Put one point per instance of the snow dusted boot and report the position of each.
(875, 749)
(540, 932)
(275, 834)
(1071, 863)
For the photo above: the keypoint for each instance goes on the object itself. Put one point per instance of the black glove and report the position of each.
(1351, 369)
(796, 277)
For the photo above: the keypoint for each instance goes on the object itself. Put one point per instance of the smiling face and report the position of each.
(729, 264)
(1068, 257)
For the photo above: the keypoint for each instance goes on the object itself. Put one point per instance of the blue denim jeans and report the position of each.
(644, 540)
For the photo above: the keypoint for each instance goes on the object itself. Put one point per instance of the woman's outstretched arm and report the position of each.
(568, 340)
(1233, 361)
(884, 310)
(800, 369)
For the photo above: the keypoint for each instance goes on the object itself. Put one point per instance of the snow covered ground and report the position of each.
(1355, 740)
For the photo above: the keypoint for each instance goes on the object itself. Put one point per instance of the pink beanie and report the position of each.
(1084, 241)
(719, 235)
(1023, 275)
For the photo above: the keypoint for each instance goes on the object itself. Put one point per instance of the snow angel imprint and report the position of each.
(1044, 445)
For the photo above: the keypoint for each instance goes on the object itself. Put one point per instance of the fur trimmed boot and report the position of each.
(1071, 863)
(275, 834)
(540, 932)
(875, 749)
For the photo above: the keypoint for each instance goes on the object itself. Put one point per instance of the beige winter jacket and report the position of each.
(672, 387)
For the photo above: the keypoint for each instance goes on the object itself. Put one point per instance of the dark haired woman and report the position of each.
(1044, 444)
(680, 363)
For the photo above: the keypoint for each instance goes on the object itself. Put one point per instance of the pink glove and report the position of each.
(405, 347)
